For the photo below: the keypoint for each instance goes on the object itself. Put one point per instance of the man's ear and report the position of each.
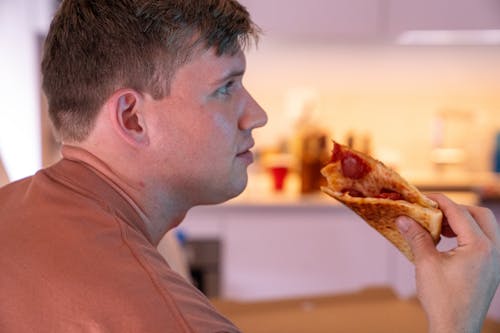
(128, 118)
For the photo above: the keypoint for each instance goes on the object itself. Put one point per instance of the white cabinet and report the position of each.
(284, 251)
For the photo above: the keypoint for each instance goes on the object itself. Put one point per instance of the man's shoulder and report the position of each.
(13, 192)
(46, 198)
(15, 184)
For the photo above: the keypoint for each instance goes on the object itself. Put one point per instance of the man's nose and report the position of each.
(254, 115)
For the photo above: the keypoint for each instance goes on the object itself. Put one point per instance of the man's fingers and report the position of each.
(459, 219)
(417, 237)
(487, 222)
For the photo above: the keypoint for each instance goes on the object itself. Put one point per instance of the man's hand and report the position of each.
(456, 287)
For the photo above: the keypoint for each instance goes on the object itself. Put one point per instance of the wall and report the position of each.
(21, 22)
(390, 92)
(387, 91)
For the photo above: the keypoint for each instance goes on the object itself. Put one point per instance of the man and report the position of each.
(147, 98)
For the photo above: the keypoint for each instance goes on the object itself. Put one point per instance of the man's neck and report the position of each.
(159, 211)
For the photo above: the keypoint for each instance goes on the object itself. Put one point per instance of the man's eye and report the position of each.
(225, 89)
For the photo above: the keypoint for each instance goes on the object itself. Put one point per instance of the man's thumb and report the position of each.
(418, 238)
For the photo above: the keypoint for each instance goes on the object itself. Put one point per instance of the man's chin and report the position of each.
(233, 190)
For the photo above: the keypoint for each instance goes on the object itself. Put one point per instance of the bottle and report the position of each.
(314, 156)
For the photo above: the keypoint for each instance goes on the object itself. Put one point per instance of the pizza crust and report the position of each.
(381, 215)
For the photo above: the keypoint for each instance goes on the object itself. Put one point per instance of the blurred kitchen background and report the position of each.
(415, 83)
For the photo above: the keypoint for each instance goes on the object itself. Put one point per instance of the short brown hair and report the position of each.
(97, 46)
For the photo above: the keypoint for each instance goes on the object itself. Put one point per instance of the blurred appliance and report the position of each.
(449, 138)
(496, 156)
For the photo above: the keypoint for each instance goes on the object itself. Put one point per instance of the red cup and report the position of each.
(279, 174)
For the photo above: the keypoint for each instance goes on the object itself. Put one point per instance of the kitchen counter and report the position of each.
(452, 181)
(260, 192)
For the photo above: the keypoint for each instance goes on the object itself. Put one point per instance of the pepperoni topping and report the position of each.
(389, 194)
(384, 194)
(353, 166)
(353, 193)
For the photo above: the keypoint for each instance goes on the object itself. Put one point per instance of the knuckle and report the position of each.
(417, 238)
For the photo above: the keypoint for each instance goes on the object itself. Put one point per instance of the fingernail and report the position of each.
(403, 223)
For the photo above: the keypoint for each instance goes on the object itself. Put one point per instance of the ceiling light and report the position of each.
(449, 37)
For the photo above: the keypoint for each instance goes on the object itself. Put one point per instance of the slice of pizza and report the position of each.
(379, 195)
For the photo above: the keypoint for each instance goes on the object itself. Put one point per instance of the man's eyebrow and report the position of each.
(230, 75)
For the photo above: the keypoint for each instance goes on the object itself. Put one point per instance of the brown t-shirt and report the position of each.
(75, 257)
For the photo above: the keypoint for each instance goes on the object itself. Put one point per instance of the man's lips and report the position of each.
(246, 148)
(245, 153)
(246, 156)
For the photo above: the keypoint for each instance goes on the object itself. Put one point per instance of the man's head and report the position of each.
(94, 48)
